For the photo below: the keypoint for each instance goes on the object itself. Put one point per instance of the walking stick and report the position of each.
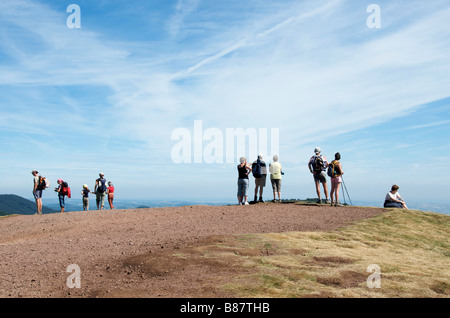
(345, 187)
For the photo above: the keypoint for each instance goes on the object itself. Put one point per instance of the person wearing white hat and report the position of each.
(100, 191)
(37, 193)
(317, 165)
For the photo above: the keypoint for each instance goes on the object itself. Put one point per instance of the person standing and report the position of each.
(62, 192)
(336, 179)
(243, 171)
(275, 177)
(317, 165)
(37, 191)
(85, 194)
(259, 170)
(110, 192)
(100, 191)
(393, 199)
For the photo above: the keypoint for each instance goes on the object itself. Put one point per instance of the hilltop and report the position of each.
(261, 250)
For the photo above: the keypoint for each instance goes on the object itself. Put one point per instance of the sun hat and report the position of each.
(317, 150)
(60, 180)
(34, 171)
(101, 174)
(85, 186)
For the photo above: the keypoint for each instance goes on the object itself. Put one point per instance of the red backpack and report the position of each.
(65, 189)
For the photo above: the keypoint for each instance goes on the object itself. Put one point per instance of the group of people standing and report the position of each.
(259, 169)
(319, 167)
(102, 189)
(317, 164)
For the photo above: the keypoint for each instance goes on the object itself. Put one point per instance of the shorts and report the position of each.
(260, 182)
(37, 194)
(100, 197)
(276, 185)
(320, 177)
(335, 180)
(242, 187)
(85, 202)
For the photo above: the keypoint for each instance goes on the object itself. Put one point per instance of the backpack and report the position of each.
(65, 189)
(318, 164)
(257, 169)
(43, 183)
(332, 170)
(102, 187)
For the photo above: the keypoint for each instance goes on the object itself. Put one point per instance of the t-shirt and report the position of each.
(85, 193)
(275, 170)
(391, 197)
(110, 190)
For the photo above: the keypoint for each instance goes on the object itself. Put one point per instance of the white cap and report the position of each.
(317, 150)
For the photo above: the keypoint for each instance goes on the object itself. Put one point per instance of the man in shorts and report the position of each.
(317, 165)
(100, 191)
(37, 191)
(260, 182)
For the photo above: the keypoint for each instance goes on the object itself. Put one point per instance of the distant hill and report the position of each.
(14, 204)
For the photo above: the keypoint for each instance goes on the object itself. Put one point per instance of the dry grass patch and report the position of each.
(410, 247)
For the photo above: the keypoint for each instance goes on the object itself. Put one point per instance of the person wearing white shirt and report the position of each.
(393, 199)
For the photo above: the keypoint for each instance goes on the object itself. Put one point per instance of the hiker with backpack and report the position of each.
(259, 171)
(393, 199)
(39, 184)
(63, 191)
(100, 191)
(317, 165)
(243, 171)
(275, 177)
(335, 172)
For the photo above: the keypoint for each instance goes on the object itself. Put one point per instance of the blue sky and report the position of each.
(107, 96)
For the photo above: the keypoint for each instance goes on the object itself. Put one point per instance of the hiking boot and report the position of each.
(337, 204)
(246, 203)
(319, 201)
(328, 201)
(332, 203)
(261, 200)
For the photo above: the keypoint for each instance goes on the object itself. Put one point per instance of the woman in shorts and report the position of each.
(336, 179)
(243, 170)
(275, 178)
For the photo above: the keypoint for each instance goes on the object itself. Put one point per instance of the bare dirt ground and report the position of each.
(129, 253)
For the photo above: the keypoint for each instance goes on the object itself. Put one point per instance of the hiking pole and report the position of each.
(345, 187)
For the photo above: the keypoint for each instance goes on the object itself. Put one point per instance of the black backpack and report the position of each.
(256, 169)
(318, 164)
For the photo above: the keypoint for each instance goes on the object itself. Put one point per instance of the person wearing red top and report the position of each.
(110, 192)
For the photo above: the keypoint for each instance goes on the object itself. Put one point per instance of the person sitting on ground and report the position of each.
(260, 177)
(336, 179)
(317, 165)
(394, 200)
(275, 177)
(243, 170)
